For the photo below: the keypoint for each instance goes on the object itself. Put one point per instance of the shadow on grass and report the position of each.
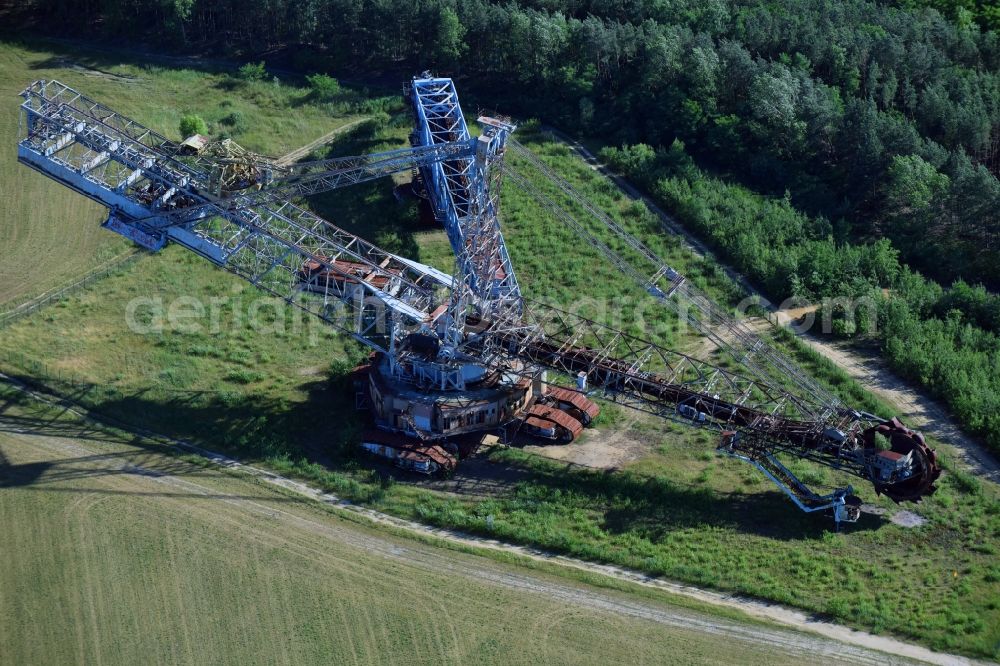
(58, 475)
(139, 458)
(324, 429)
(98, 59)
(346, 96)
(651, 507)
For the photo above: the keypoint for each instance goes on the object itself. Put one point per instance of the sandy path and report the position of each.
(915, 409)
(299, 153)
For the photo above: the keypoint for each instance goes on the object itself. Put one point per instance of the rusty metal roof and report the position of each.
(551, 414)
(577, 399)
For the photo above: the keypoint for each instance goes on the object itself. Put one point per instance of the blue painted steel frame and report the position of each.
(113, 160)
(455, 186)
(837, 500)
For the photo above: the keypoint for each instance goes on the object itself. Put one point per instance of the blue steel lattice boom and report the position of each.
(462, 196)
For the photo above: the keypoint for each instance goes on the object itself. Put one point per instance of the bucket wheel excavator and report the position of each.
(457, 355)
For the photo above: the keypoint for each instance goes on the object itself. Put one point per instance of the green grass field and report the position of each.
(48, 234)
(279, 395)
(121, 553)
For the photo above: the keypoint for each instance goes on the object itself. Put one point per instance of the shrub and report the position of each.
(237, 122)
(192, 124)
(639, 162)
(243, 376)
(978, 304)
(253, 71)
(324, 88)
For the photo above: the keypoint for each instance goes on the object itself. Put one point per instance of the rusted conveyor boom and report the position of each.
(756, 419)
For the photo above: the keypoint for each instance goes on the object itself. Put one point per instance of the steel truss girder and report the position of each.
(268, 244)
(647, 377)
(280, 239)
(54, 101)
(461, 197)
(310, 178)
(306, 178)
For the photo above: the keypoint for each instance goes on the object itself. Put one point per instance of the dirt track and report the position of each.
(299, 153)
(915, 409)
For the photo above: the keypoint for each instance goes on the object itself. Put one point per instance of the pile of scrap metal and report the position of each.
(231, 167)
(338, 275)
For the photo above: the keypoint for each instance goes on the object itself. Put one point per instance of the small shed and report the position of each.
(194, 144)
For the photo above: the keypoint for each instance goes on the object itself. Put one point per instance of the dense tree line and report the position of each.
(963, 12)
(945, 339)
(884, 119)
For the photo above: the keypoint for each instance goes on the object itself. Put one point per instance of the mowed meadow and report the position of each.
(278, 394)
(119, 552)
